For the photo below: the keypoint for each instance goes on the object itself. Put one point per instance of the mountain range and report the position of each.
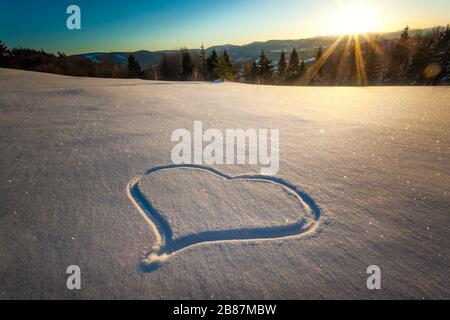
(306, 48)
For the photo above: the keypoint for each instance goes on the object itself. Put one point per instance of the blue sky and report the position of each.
(169, 24)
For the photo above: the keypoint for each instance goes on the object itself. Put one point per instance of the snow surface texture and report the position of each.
(375, 160)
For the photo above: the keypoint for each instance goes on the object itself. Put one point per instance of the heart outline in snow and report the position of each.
(166, 246)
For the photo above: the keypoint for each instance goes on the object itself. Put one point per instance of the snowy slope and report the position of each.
(375, 160)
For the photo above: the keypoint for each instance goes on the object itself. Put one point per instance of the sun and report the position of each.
(357, 17)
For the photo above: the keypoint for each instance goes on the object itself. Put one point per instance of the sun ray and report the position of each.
(372, 41)
(360, 67)
(343, 65)
(315, 68)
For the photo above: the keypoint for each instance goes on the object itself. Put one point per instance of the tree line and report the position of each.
(41, 61)
(185, 66)
(421, 59)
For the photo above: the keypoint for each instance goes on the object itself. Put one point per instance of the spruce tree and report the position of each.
(225, 68)
(302, 68)
(227, 60)
(292, 72)
(164, 67)
(403, 75)
(254, 71)
(213, 65)
(293, 62)
(134, 69)
(265, 69)
(319, 77)
(203, 64)
(282, 67)
(319, 54)
(3, 48)
(373, 63)
(3, 53)
(296, 77)
(250, 72)
(187, 65)
(405, 35)
(420, 59)
(442, 55)
(399, 57)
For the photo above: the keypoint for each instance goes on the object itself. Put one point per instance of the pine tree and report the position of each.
(203, 64)
(213, 65)
(134, 69)
(265, 69)
(187, 65)
(282, 67)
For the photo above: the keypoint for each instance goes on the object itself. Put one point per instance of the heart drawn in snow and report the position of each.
(189, 205)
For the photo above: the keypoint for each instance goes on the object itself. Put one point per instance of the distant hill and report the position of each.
(306, 48)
